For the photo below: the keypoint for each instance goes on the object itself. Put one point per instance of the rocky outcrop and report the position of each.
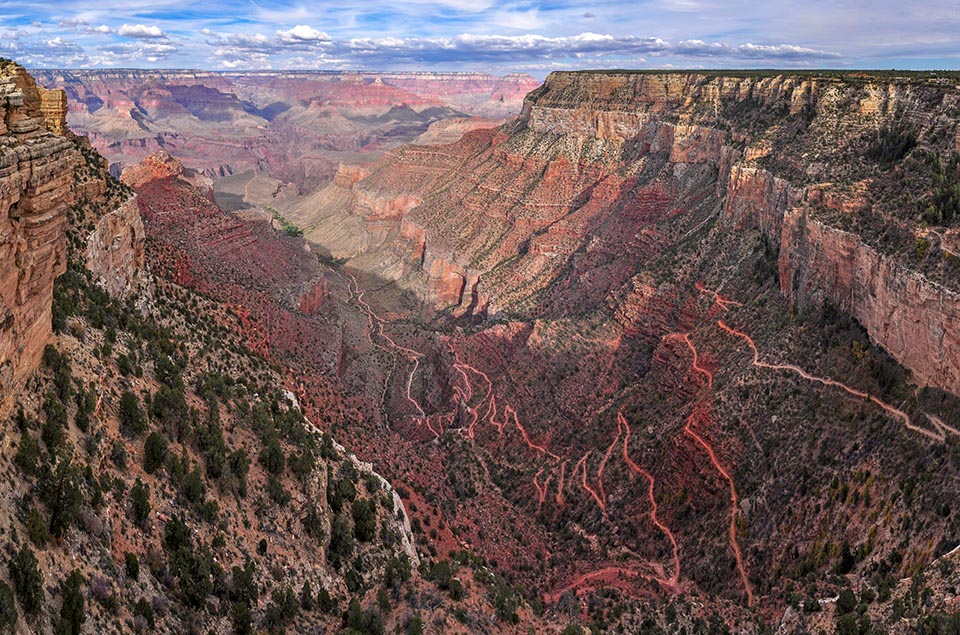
(156, 166)
(53, 109)
(115, 249)
(36, 174)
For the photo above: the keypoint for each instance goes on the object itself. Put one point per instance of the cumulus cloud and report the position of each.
(141, 31)
(133, 52)
(303, 33)
(72, 22)
(43, 52)
(83, 26)
(508, 48)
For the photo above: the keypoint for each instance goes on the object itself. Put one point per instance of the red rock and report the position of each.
(36, 175)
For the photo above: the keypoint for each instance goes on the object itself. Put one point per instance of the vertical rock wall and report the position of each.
(36, 174)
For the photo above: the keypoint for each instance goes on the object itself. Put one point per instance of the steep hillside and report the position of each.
(159, 476)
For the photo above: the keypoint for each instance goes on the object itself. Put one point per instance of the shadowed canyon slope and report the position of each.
(491, 224)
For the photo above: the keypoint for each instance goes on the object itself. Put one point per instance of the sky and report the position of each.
(532, 36)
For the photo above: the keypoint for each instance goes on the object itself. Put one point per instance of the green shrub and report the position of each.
(8, 607)
(26, 579)
(28, 453)
(364, 514)
(132, 421)
(131, 565)
(72, 609)
(140, 501)
(154, 452)
(37, 528)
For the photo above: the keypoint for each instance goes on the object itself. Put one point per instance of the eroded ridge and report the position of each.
(673, 581)
(700, 411)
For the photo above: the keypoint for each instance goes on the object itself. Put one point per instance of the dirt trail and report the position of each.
(622, 424)
(939, 435)
(734, 502)
(583, 462)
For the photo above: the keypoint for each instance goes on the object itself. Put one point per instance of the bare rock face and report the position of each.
(915, 319)
(757, 198)
(115, 249)
(36, 174)
(53, 109)
(156, 166)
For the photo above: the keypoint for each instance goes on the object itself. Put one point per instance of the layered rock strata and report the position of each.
(36, 175)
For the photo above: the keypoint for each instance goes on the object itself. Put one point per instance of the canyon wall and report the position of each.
(598, 164)
(915, 319)
(44, 172)
(36, 174)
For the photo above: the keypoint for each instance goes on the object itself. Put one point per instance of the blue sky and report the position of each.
(480, 35)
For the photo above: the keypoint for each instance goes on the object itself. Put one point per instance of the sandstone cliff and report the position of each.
(36, 174)
(54, 185)
(492, 221)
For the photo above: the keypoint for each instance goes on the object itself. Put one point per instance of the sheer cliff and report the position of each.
(35, 192)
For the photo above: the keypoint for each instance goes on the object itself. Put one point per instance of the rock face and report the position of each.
(484, 224)
(115, 249)
(36, 175)
(915, 319)
(53, 109)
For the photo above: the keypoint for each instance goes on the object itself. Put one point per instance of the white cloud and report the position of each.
(73, 22)
(303, 33)
(140, 31)
(587, 48)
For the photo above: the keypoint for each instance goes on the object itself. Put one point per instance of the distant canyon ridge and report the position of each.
(296, 126)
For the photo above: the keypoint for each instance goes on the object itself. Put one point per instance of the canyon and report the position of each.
(146, 392)
(664, 351)
(417, 197)
(561, 264)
